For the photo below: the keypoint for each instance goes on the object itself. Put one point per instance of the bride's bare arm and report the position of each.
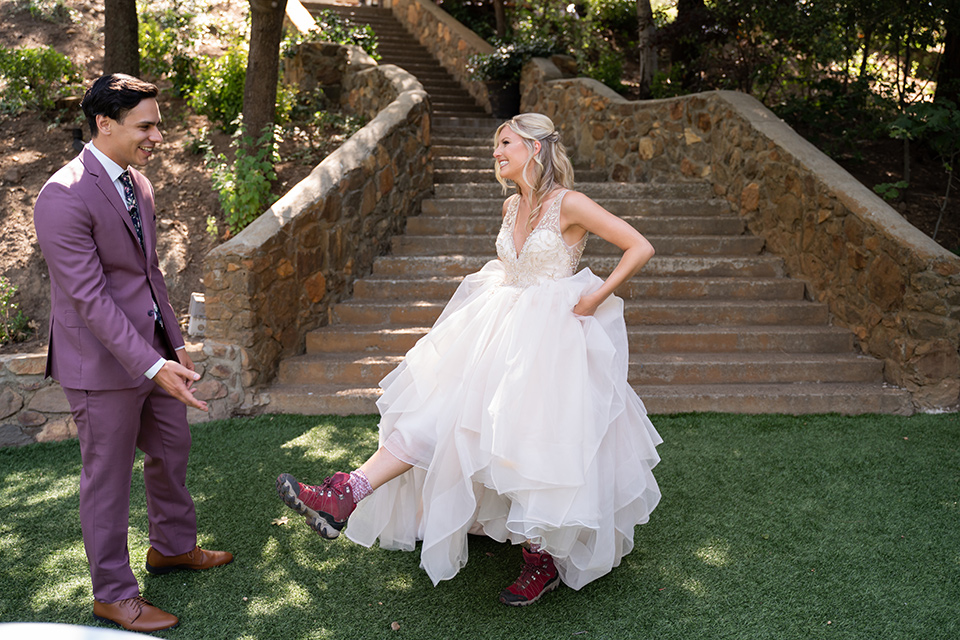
(579, 214)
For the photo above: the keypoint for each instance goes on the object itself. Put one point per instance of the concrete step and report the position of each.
(793, 399)
(650, 226)
(596, 190)
(441, 245)
(457, 124)
(624, 207)
(441, 288)
(648, 312)
(397, 340)
(487, 177)
(367, 369)
(763, 266)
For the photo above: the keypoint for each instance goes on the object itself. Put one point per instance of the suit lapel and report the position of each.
(109, 191)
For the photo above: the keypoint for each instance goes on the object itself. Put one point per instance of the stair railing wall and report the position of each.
(277, 279)
(447, 39)
(894, 287)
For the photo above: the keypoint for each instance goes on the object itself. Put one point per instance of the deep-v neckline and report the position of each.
(516, 216)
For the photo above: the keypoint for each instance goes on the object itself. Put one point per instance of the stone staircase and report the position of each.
(714, 324)
(396, 46)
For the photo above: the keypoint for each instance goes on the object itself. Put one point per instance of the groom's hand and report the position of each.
(177, 380)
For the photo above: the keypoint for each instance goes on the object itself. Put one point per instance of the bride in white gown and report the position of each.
(513, 417)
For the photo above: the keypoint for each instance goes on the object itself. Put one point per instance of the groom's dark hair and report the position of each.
(113, 95)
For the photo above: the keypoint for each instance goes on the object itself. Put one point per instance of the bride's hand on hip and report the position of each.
(587, 305)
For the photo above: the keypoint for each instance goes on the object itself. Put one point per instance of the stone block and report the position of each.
(50, 400)
(57, 430)
(31, 419)
(33, 364)
(10, 403)
(209, 390)
(12, 436)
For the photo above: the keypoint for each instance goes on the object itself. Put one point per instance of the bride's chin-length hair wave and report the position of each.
(544, 170)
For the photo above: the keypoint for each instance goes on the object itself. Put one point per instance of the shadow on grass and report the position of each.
(770, 527)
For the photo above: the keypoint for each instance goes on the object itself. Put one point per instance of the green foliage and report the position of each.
(506, 62)
(834, 113)
(333, 28)
(476, 15)
(315, 126)
(218, 93)
(546, 27)
(890, 190)
(168, 38)
(936, 124)
(14, 326)
(32, 78)
(243, 186)
(50, 10)
(619, 17)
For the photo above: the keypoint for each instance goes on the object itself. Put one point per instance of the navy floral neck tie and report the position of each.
(131, 199)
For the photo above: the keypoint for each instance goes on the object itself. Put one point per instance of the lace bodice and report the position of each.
(544, 254)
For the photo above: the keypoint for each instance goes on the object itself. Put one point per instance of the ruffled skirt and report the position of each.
(518, 420)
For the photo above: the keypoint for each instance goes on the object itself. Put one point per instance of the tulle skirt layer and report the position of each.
(518, 420)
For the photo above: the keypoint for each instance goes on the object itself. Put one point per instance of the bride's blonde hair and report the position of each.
(549, 167)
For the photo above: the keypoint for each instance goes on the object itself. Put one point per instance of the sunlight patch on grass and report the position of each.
(399, 583)
(289, 594)
(10, 542)
(65, 487)
(316, 445)
(695, 587)
(66, 568)
(715, 554)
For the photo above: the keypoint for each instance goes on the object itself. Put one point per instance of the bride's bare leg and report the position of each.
(382, 467)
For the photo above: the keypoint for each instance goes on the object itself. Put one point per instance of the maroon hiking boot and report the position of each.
(326, 507)
(539, 576)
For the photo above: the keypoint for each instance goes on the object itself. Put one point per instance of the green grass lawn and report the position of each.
(770, 527)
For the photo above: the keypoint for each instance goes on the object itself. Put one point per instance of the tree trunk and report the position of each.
(263, 65)
(500, 17)
(648, 52)
(121, 45)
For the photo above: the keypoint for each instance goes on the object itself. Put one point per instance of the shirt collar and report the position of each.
(113, 169)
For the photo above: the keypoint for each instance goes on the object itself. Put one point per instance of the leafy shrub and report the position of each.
(617, 16)
(218, 93)
(568, 31)
(937, 125)
(50, 10)
(506, 62)
(167, 40)
(816, 107)
(14, 326)
(333, 28)
(34, 77)
(243, 186)
(479, 17)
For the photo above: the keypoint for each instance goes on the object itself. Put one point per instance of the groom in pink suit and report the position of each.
(116, 349)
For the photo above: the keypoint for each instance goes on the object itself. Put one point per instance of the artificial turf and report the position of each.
(770, 527)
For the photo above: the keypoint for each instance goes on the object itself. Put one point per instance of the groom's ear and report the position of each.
(104, 124)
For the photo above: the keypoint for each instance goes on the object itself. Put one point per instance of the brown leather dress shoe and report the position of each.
(196, 560)
(134, 614)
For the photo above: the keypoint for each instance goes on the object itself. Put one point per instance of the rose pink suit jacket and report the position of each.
(101, 316)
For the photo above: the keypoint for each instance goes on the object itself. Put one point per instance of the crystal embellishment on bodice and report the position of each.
(544, 255)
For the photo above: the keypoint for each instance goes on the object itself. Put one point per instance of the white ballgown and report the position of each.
(518, 420)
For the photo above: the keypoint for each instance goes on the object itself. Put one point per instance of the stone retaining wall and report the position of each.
(446, 39)
(277, 279)
(895, 288)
